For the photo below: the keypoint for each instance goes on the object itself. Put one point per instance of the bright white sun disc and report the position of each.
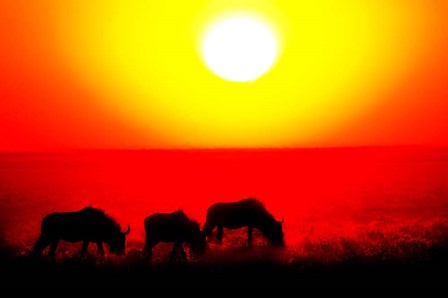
(239, 49)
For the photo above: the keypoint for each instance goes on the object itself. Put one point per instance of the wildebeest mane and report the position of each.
(107, 220)
(259, 206)
(181, 214)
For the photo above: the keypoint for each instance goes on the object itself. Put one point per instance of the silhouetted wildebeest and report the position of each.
(174, 227)
(249, 213)
(87, 225)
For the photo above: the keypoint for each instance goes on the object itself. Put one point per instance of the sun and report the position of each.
(239, 48)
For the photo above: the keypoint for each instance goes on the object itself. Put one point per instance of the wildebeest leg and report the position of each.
(148, 249)
(53, 246)
(173, 252)
(99, 244)
(40, 245)
(219, 233)
(249, 235)
(178, 248)
(182, 252)
(148, 253)
(208, 228)
(85, 245)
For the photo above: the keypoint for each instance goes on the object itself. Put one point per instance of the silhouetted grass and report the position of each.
(230, 270)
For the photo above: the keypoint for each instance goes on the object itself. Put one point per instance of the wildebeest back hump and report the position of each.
(174, 224)
(99, 221)
(161, 221)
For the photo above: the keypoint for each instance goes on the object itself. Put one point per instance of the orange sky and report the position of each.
(59, 90)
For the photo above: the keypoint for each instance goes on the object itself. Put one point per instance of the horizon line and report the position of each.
(223, 149)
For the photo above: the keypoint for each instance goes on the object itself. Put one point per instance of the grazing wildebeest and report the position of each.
(174, 227)
(87, 225)
(249, 213)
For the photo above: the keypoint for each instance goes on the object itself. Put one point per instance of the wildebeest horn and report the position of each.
(128, 230)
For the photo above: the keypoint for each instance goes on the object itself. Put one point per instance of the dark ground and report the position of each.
(24, 276)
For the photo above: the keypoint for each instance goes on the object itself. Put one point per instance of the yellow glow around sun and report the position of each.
(239, 48)
(144, 60)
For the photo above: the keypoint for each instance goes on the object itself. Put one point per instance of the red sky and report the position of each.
(45, 106)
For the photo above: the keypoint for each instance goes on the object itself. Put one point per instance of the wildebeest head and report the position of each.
(275, 233)
(118, 241)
